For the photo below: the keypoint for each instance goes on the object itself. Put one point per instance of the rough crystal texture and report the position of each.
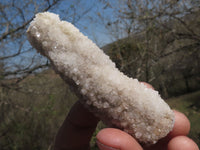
(118, 100)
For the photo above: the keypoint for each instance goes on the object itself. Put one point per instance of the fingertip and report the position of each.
(181, 125)
(111, 138)
(148, 85)
(182, 143)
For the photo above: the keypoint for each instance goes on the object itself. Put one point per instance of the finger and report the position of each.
(77, 129)
(115, 139)
(182, 143)
(181, 125)
(148, 85)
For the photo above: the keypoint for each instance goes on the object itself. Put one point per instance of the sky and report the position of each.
(89, 22)
(86, 19)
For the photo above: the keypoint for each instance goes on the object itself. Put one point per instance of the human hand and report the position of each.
(77, 130)
(115, 139)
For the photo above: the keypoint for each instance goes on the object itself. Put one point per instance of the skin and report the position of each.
(78, 127)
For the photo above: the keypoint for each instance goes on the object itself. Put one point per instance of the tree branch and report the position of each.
(5, 34)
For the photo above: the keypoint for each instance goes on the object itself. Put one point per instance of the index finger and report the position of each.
(181, 125)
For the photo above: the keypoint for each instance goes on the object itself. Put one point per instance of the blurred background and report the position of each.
(156, 41)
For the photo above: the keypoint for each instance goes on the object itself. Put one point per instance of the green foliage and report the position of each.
(31, 116)
(93, 144)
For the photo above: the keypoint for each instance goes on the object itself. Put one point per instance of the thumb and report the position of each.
(115, 139)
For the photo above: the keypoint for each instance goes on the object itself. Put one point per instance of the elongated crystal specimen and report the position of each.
(118, 100)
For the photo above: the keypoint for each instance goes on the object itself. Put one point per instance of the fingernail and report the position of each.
(105, 147)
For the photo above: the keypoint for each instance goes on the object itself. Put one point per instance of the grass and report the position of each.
(32, 112)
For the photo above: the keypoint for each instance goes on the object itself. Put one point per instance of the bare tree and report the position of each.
(165, 38)
(17, 57)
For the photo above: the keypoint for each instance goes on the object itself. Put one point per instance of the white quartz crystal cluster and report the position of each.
(118, 100)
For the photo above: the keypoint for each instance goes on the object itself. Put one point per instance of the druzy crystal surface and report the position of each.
(118, 100)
